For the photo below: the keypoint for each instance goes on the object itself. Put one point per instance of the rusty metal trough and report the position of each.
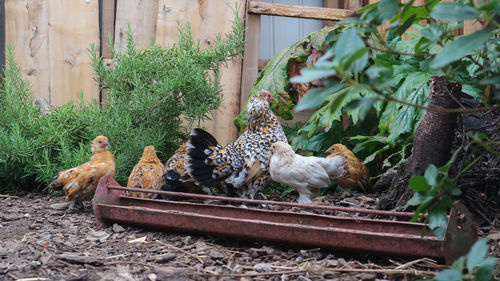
(384, 236)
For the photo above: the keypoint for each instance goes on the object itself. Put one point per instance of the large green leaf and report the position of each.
(413, 81)
(459, 48)
(453, 11)
(477, 253)
(437, 220)
(449, 275)
(316, 97)
(349, 44)
(274, 77)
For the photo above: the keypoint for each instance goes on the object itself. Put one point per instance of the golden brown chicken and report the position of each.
(147, 174)
(80, 183)
(356, 176)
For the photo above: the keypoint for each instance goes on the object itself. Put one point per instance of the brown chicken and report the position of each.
(80, 183)
(356, 176)
(147, 174)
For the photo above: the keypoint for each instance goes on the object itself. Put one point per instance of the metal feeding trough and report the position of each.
(384, 236)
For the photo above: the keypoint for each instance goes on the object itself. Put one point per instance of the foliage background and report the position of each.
(154, 96)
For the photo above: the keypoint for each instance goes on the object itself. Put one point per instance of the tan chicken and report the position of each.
(79, 183)
(356, 176)
(304, 174)
(147, 174)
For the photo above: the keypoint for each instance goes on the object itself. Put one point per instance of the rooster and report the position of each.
(80, 183)
(304, 174)
(244, 163)
(147, 174)
(356, 176)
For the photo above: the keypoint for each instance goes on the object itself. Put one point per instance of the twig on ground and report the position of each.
(337, 269)
(181, 250)
(8, 196)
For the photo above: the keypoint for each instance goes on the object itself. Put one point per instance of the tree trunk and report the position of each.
(432, 143)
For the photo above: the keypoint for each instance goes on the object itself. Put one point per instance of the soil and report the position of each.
(39, 239)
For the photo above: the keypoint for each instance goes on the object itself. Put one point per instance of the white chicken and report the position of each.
(303, 173)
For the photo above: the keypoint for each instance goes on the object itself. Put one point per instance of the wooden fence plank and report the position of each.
(352, 4)
(141, 16)
(250, 57)
(171, 11)
(263, 8)
(207, 18)
(26, 29)
(107, 26)
(73, 27)
(337, 4)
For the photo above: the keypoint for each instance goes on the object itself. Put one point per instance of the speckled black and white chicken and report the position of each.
(244, 163)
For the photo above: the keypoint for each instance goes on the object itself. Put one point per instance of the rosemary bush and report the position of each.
(154, 96)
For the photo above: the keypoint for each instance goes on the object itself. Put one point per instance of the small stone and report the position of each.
(3, 252)
(366, 276)
(316, 269)
(152, 277)
(187, 240)
(214, 254)
(302, 278)
(27, 215)
(118, 228)
(165, 258)
(237, 269)
(59, 206)
(494, 236)
(262, 267)
(332, 263)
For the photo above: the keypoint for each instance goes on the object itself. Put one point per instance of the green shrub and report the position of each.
(155, 95)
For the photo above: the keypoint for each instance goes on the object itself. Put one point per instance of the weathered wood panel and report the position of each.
(73, 27)
(207, 18)
(141, 16)
(251, 56)
(107, 27)
(263, 8)
(26, 29)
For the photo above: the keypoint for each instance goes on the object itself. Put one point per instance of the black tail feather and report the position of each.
(200, 146)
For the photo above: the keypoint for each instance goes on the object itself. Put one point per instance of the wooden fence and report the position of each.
(52, 37)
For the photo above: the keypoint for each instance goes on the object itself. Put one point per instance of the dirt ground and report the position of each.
(41, 241)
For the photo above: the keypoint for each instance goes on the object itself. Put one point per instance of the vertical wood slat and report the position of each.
(251, 55)
(2, 37)
(26, 30)
(352, 4)
(171, 11)
(331, 4)
(141, 16)
(107, 26)
(72, 29)
(207, 18)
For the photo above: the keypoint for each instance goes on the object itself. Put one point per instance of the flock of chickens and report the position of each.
(241, 168)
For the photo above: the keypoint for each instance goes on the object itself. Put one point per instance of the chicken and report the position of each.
(244, 163)
(356, 176)
(177, 178)
(304, 174)
(147, 174)
(80, 183)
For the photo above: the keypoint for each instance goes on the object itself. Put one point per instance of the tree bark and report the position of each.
(432, 143)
